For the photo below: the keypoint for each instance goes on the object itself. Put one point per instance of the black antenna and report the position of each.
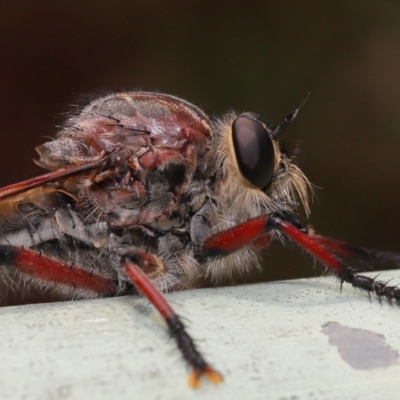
(288, 119)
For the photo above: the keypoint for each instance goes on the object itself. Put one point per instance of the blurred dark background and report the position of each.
(262, 56)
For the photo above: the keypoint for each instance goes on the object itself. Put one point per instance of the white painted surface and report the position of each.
(266, 339)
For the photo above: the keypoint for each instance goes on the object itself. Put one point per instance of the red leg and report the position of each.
(263, 241)
(35, 264)
(175, 325)
(358, 253)
(248, 232)
(239, 236)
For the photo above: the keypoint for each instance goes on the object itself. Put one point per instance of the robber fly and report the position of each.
(148, 194)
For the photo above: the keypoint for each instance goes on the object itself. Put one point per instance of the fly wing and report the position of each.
(50, 177)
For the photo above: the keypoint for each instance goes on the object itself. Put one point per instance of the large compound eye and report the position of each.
(254, 150)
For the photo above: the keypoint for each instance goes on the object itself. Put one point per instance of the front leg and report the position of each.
(328, 251)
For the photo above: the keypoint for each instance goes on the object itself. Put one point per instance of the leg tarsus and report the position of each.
(194, 377)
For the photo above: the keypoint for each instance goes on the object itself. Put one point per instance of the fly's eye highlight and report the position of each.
(254, 150)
